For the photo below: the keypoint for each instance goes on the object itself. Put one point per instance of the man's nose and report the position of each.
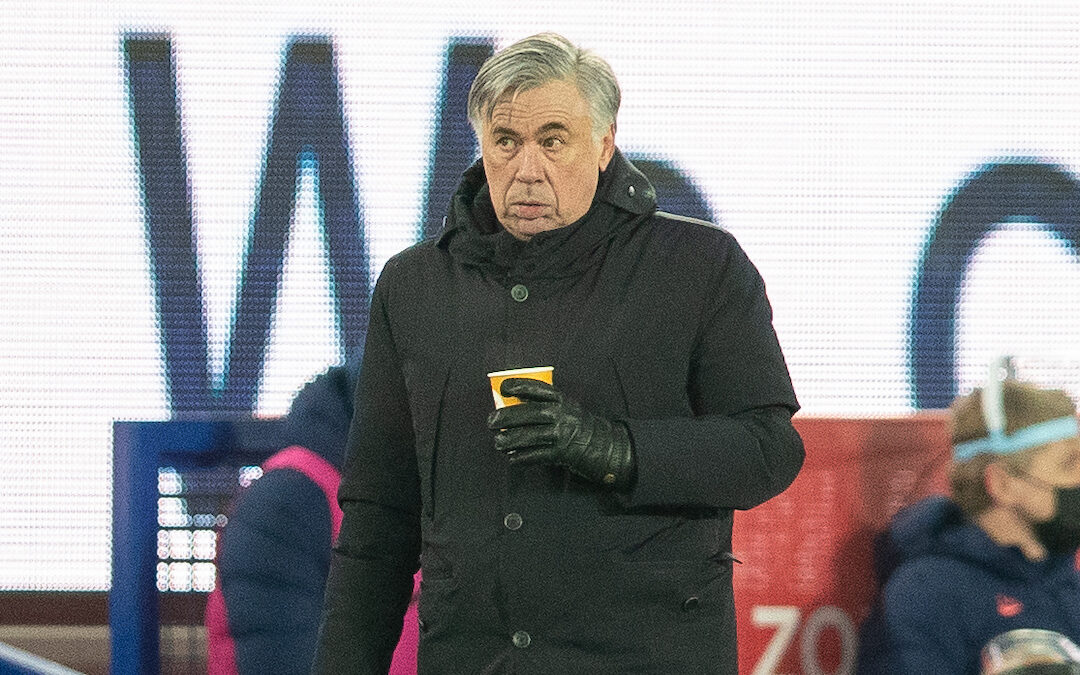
(530, 168)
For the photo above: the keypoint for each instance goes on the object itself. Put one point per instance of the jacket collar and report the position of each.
(474, 235)
(937, 526)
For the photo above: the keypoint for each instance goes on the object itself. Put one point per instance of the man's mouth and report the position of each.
(528, 210)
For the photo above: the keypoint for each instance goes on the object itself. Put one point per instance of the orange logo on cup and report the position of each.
(542, 373)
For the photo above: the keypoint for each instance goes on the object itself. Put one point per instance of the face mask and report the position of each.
(1061, 534)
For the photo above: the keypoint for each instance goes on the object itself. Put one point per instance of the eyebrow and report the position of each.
(550, 126)
(504, 131)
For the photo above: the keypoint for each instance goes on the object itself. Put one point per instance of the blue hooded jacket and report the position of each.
(949, 589)
(275, 552)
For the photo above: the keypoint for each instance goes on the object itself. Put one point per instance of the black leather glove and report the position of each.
(548, 428)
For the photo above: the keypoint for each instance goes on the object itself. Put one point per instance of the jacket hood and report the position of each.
(321, 413)
(936, 526)
(474, 235)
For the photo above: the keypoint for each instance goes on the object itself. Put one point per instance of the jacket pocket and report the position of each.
(680, 590)
(675, 536)
(427, 390)
(679, 613)
(436, 608)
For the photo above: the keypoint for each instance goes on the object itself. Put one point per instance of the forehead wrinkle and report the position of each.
(510, 108)
(552, 114)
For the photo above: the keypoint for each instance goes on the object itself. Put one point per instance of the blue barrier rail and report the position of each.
(139, 449)
(14, 661)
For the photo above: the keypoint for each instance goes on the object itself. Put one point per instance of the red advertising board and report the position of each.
(806, 580)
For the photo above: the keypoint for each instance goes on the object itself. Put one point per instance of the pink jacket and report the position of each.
(221, 652)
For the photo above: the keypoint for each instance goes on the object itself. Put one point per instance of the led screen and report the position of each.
(195, 199)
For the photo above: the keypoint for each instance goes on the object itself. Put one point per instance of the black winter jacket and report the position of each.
(654, 319)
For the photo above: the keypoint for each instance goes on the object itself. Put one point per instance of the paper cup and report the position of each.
(542, 373)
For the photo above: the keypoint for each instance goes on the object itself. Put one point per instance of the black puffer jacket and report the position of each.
(654, 319)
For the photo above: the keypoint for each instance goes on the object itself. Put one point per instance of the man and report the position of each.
(1000, 554)
(588, 529)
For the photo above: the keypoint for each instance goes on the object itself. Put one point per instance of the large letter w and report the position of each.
(308, 126)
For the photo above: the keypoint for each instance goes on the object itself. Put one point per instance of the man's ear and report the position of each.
(607, 147)
(999, 483)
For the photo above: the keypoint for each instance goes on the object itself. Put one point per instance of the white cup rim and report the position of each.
(521, 371)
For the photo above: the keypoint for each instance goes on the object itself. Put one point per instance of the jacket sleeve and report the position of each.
(273, 564)
(739, 448)
(378, 548)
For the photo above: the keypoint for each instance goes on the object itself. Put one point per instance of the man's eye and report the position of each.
(553, 142)
(505, 142)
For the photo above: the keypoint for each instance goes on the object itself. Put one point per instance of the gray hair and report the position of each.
(537, 60)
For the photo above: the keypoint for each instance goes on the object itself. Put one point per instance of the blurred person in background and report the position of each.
(1000, 553)
(263, 617)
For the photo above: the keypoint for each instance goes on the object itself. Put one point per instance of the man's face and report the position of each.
(1055, 465)
(541, 162)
